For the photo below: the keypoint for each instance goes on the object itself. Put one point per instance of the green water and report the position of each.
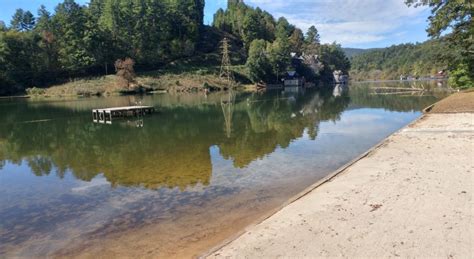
(199, 166)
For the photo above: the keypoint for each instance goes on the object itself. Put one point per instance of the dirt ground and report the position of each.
(410, 197)
(458, 102)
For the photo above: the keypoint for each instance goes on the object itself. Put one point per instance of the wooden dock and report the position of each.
(107, 114)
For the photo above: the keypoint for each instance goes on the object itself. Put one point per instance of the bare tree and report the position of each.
(125, 72)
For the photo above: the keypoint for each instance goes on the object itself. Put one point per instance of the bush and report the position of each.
(460, 77)
(125, 72)
(35, 91)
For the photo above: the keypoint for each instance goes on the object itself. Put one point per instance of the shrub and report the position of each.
(34, 91)
(125, 72)
(460, 77)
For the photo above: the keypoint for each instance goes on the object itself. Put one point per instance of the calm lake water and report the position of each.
(187, 177)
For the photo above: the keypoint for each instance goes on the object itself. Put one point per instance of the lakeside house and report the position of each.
(339, 77)
(292, 79)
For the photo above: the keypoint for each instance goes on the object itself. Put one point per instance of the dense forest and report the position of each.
(417, 60)
(351, 52)
(79, 40)
(85, 40)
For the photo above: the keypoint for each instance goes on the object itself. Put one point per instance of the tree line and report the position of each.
(86, 40)
(78, 40)
(417, 60)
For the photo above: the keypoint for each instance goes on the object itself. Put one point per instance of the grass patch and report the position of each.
(185, 75)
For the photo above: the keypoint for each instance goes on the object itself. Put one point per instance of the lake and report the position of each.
(186, 178)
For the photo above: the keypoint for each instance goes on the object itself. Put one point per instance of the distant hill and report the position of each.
(351, 52)
(420, 59)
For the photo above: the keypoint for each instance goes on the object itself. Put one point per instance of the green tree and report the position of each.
(333, 58)
(456, 17)
(257, 63)
(251, 28)
(283, 28)
(279, 57)
(75, 49)
(44, 20)
(17, 53)
(312, 36)
(23, 21)
(460, 76)
(312, 43)
(296, 41)
(3, 26)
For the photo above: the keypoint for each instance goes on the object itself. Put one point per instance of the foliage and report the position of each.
(460, 76)
(22, 21)
(125, 71)
(312, 36)
(35, 91)
(333, 58)
(245, 22)
(454, 17)
(419, 60)
(270, 43)
(352, 52)
(78, 40)
(258, 63)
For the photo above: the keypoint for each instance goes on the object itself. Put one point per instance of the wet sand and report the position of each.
(410, 197)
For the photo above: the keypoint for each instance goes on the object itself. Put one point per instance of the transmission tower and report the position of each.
(225, 64)
(227, 105)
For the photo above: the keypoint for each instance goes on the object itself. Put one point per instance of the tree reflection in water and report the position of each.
(172, 149)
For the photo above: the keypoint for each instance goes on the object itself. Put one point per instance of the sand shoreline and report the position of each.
(381, 204)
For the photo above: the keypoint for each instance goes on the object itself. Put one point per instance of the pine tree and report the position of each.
(22, 21)
(312, 36)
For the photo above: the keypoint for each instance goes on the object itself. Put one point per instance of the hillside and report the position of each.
(418, 60)
(78, 43)
(351, 52)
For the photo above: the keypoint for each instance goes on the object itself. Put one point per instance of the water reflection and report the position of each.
(225, 157)
(173, 149)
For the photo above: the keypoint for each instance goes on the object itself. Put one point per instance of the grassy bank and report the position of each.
(192, 74)
(178, 77)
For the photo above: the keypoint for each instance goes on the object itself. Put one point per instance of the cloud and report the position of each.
(349, 22)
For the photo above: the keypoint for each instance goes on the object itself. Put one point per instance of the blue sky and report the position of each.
(353, 23)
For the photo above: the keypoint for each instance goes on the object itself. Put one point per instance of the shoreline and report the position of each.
(266, 236)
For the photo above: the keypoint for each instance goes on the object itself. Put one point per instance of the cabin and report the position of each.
(340, 78)
(293, 79)
(441, 74)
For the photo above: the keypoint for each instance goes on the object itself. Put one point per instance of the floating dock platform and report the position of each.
(107, 114)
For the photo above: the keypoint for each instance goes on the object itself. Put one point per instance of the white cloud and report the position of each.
(347, 21)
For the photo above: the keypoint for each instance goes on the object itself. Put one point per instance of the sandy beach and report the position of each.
(409, 197)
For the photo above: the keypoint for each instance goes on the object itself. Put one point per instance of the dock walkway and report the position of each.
(412, 196)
